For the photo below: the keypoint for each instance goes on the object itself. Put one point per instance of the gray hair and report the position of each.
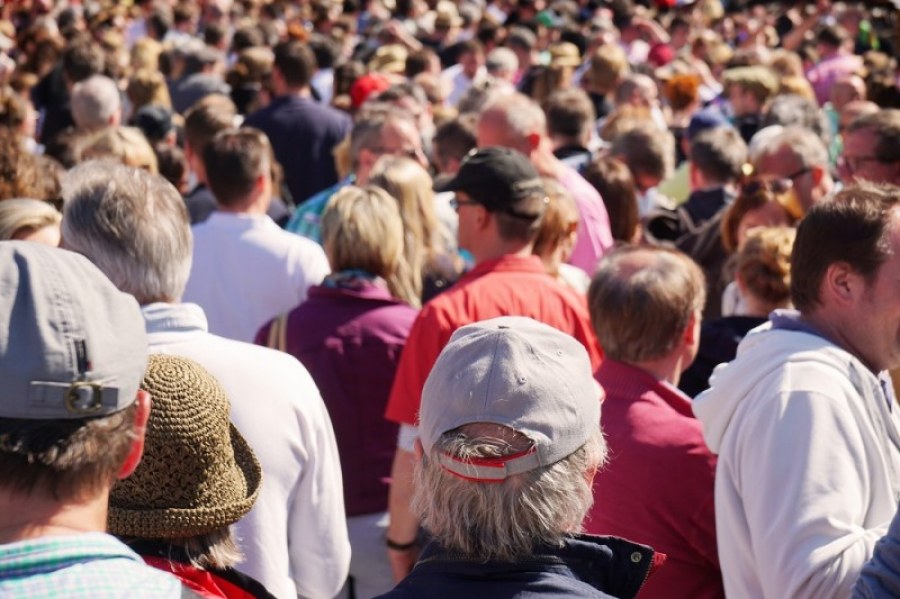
(94, 102)
(520, 114)
(504, 521)
(370, 122)
(133, 225)
(806, 146)
(501, 60)
(791, 110)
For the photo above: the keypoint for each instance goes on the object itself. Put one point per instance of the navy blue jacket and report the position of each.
(585, 566)
(303, 134)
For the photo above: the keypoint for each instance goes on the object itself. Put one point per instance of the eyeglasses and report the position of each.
(774, 186)
(455, 203)
(799, 173)
(853, 163)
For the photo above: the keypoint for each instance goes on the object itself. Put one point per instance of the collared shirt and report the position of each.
(247, 270)
(92, 565)
(294, 539)
(306, 220)
(507, 286)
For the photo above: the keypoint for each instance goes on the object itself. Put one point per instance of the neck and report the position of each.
(544, 161)
(499, 249)
(834, 332)
(298, 92)
(33, 516)
(667, 368)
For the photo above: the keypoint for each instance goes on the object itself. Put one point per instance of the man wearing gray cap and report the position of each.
(72, 420)
(511, 440)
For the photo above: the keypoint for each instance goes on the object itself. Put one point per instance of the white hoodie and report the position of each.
(809, 456)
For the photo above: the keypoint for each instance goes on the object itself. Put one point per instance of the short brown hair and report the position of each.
(67, 459)
(640, 308)
(885, 124)
(569, 113)
(852, 227)
(206, 118)
(233, 160)
(719, 153)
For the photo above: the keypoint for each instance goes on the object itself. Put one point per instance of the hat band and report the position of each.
(490, 470)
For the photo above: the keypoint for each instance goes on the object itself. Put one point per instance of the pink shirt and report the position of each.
(594, 235)
(823, 75)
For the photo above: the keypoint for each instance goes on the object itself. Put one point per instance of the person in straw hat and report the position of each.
(198, 476)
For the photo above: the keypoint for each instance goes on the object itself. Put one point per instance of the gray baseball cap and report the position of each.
(72, 346)
(515, 372)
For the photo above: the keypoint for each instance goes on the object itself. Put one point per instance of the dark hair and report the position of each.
(324, 49)
(159, 22)
(832, 35)
(418, 62)
(455, 138)
(612, 178)
(214, 33)
(82, 59)
(171, 163)
(885, 125)
(570, 112)
(296, 63)
(233, 160)
(248, 36)
(67, 459)
(852, 227)
(719, 153)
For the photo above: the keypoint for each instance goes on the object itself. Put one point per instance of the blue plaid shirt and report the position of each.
(90, 565)
(306, 218)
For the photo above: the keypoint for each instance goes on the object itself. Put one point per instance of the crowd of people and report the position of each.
(406, 298)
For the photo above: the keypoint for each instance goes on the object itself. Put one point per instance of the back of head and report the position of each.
(234, 160)
(509, 430)
(95, 103)
(19, 216)
(608, 65)
(517, 116)
(647, 150)
(362, 230)
(72, 353)
(206, 118)
(454, 139)
(559, 222)
(82, 59)
(296, 63)
(807, 147)
(570, 114)
(791, 110)
(764, 265)
(612, 178)
(719, 154)
(197, 476)
(851, 227)
(642, 299)
(123, 144)
(133, 225)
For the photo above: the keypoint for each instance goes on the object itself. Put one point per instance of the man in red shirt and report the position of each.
(500, 200)
(658, 485)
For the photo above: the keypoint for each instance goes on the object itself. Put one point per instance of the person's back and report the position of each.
(302, 131)
(246, 270)
(145, 246)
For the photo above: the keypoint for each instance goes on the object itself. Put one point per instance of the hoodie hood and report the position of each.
(762, 352)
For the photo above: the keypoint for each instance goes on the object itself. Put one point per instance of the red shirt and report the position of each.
(658, 486)
(508, 286)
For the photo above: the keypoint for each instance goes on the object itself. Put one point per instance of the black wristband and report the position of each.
(400, 546)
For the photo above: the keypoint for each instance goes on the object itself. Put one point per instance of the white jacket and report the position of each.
(294, 539)
(809, 456)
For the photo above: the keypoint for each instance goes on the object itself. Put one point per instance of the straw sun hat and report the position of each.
(198, 474)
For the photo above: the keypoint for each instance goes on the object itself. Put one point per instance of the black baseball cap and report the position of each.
(498, 179)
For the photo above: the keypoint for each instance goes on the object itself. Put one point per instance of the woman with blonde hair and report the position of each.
(349, 334)
(29, 220)
(429, 249)
(122, 144)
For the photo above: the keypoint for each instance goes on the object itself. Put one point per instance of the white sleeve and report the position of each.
(317, 525)
(805, 475)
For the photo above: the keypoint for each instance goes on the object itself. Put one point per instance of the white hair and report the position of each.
(133, 225)
(501, 60)
(520, 115)
(504, 521)
(806, 146)
(95, 101)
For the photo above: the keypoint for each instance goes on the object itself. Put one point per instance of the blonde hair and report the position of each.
(145, 54)
(411, 186)
(147, 87)
(24, 215)
(558, 224)
(362, 229)
(125, 144)
(764, 264)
